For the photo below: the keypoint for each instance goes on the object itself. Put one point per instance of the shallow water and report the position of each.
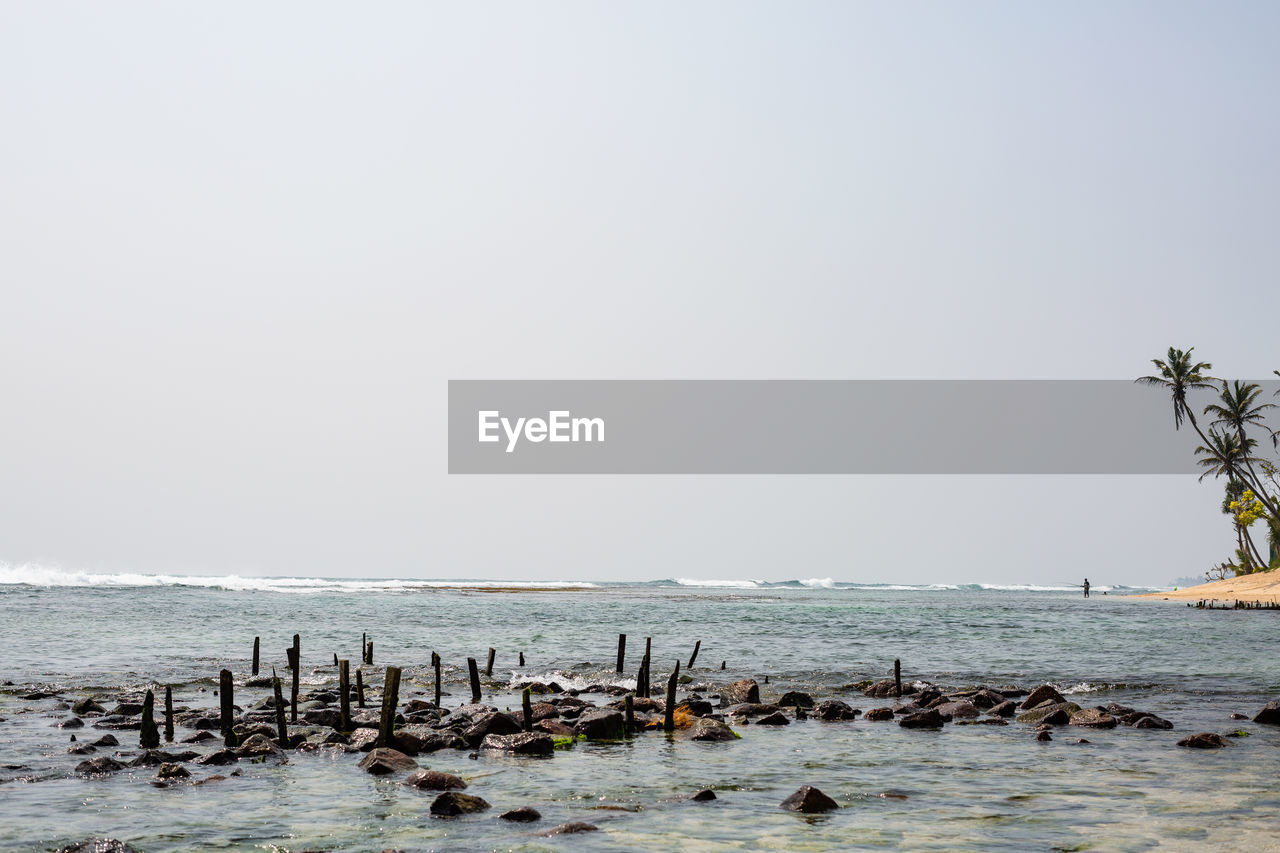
(977, 787)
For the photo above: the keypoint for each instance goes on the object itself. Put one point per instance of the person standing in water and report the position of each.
(1086, 587)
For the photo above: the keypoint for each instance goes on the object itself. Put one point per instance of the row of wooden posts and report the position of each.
(150, 737)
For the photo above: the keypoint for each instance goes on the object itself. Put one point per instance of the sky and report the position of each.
(243, 248)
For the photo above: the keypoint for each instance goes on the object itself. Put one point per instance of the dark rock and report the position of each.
(70, 723)
(173, 771)
(491, 724)
(36, 695)
(106, 740)
(600, 724)
(1204, 740)
(1092, 718)
(927, 719)
(985, 700)
(452, 804)
(777, 718)
(198, 737)
(330, 717)
(1117, 710)
(696, 707)
(708, 729)
(963, 710)
(222, 756)
(1044, 737)
(524, 814)
(522, 743)
(885, 688)
(572, 828)
(434, 780)
(1043, 693)
(834, 710)
(1151, 721)
(363, 739)
(118, 722)
(98, 766)
(796, 699)
(985, 721)
(256, 746)
(99, 845)
(1234, 716)
(553, 727)
(385, 760)
(1006, 708)
(1056, 714)
(743, 690)
(810, 801)
(705, 795)
(127, 709)
(877, 715)
(1270, 714)
(544, 711)
(82, 749)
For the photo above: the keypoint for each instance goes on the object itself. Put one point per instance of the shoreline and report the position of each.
(1260, 587)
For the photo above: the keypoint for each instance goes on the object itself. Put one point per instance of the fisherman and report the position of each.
(1086, 587)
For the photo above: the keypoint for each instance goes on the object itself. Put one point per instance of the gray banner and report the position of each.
(818, 427)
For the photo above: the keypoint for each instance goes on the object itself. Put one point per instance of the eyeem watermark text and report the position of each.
(557, 426)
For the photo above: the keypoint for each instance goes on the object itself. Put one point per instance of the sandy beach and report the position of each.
(1262, 586)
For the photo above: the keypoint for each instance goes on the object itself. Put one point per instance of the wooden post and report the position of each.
(149, 736)
(359, 688)
(255, 654)
(488, 667)
(293, 690)
(693, 657)
(669, 721)
(642, 678)
(335, 658)
(436, 663)
(528, 710)
(368, 653)
(897, 677)
(168, 713)
(390, 698)
(344, 693)
(628, 706)
(282, 731)
(622, 652)
(364, 644)
(228, 708)
(522, 658)
(722, 663)
(475, 679)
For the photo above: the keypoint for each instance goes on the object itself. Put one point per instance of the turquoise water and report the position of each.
(977, 787)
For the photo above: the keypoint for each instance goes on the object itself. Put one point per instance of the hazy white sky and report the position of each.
(243, 247)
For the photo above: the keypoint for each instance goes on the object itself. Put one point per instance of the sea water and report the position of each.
(960, 788)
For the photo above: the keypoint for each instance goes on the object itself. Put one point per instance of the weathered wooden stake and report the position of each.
(282, 731)
(297, 651)
(368, 653)
(693, 657)
(390, 698)
(475, 679)
(344, 693)
(364, 645)
(522, 658)
(669, 721)
(642, 678)
(255, 654)
(228, 708)
(622, 651)
(527, 707)
(488, 667)
(628, 706)
(168, 713)
(722, 663)
(359, 688)
(149, 735)
(897, 677)
(335, 658)
(293, 690)
(437, 663)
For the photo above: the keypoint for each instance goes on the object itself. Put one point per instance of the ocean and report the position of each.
(959, 788)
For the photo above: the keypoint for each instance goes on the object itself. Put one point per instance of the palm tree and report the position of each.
(1224, 455)
(1238, 409)
(1180, 375)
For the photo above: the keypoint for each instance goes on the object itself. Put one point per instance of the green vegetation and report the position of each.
(1229, 451)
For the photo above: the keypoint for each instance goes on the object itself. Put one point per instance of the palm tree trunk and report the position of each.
(1253, 549)
(1251, 479)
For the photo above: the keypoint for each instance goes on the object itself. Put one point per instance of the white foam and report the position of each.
(719, 584)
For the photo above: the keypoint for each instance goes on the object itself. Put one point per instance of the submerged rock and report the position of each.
(777, 718)
(523, 814)
(452, 804)
(810, 801)
(98, 845)
(963, 710)
(172, 771)
(796, 699)
(1269, 715)
(1151, 721)
(1092, 718)
(1053, 713)
(707, 729)
(523, 743)
(98, 766)
(256, 746)
(221, 757)
(833, 710)
(1043, 693)
(496, 723)
(928, 719)
(1044, 737)
(600, 724)
(1204, 740)
(876, 715)
(385, 760)
(738, 692)
(1006, 708)
(572, 827)
(434, 780)
(704, 796)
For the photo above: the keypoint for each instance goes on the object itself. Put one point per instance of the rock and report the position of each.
(496, 723)
(544, 711)
(222, 756)
(572, 828)
(810, 801)
(707, 729)
(554, 728)
(600, 724)
(1006, 708)
(106, 740)
(198, 737)
(795, 699)
(963, 710)
(1056, 714)
(985, 700)
(1092, 718)
(1204, 740)
(70, 723)
(743, 690)
(1235, 716)
(883, 689)
(98, 766)
(777, 718)
(256, 746)
(696, 707)
(330, 717)
(1044, 737)
(985, 721)
(434, 780)
(1043, 693)
(523, 743)
(834, 710)
(452, 804)
(706, 795)
(877, 715)
(1270, 714)
(384, 760)
(82, 749)
(172, 771)
(927, 719)
(1151, 721)
(363, 739)
(99, 845)
(523, 814)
